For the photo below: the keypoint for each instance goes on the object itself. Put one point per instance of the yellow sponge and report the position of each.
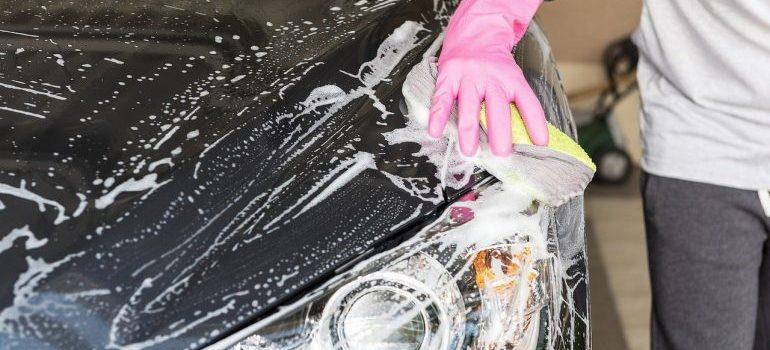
(557, 140)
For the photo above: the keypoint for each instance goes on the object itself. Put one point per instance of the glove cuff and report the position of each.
(489, 25)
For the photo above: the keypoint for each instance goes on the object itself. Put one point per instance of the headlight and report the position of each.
(479, 278)
(413, 304)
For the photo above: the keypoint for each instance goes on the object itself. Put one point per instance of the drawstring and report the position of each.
(764, 199)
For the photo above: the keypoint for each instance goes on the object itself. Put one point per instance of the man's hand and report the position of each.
(476, 65)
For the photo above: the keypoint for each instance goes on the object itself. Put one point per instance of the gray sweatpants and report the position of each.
(709, 262)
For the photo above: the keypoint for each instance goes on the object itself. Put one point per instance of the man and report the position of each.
(704, 77)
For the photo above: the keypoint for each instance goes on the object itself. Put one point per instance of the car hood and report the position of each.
(170, 172)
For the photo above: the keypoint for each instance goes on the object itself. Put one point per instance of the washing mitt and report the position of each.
(552, 174)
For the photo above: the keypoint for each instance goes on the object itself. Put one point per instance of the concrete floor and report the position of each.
(620, 291)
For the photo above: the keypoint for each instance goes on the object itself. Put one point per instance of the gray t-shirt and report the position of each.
(704, 76)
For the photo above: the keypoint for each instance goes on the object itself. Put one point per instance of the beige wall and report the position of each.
(580, 29)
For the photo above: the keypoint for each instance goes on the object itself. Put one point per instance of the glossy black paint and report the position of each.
(201, 113)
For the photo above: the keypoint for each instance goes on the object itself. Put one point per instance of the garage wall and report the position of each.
(580, 29)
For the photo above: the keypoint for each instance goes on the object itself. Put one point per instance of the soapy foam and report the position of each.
(31, 242)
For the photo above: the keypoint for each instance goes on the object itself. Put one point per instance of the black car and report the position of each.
(190, 174)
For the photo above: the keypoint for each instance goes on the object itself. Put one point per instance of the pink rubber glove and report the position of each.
(476, 65)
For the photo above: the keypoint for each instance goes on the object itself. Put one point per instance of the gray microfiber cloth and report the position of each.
(552, 174)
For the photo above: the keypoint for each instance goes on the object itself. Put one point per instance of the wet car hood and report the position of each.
(171, 172)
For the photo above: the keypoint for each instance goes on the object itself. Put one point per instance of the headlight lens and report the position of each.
(412, 304)
(479, 278)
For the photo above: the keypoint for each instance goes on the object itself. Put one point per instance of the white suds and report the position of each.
(148, 182)
(23, 193)
(31, 243)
